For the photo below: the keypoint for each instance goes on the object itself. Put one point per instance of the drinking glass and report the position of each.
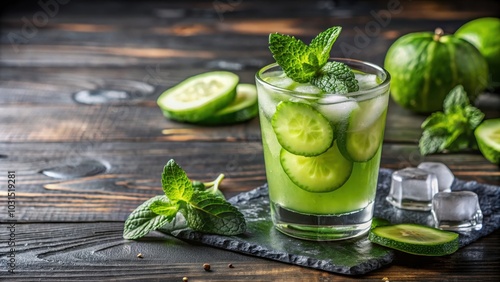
(327, 195)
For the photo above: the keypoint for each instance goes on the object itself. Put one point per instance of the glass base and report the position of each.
(322, 227)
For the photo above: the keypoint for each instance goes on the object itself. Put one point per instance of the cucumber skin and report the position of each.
(423, 250)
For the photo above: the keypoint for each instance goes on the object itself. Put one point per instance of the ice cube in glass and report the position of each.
(336, 108)
(412, 189)
(444, 175)
(457, 211)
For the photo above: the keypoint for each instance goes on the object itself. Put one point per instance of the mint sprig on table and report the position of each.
(309, 63)
(199, 206)
(453, 129)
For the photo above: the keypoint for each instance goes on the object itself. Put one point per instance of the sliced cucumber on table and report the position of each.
(242, 108)
(488, 139)
(199, 96)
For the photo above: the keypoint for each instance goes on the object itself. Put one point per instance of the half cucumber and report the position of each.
(242, 108)
(415, 239)
(488, 139)
(199, 96)
(301, 129)
(324, 173)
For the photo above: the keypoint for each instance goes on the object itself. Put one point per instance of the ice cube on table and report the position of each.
(444, 175)
(412, 189)
(457, 211)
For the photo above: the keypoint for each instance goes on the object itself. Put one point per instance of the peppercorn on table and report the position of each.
(83, 141)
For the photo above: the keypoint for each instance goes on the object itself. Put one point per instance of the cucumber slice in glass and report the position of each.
(361, 145)
(301, 129)
(243, 107)
(324, 173)
(415, 239)
(199, 96)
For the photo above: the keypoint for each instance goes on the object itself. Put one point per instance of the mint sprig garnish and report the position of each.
(335, 77)
(199, 206)
(453, 129)
(294, 57)
(309, 63)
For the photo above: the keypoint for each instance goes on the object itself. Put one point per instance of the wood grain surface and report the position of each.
(80, 127)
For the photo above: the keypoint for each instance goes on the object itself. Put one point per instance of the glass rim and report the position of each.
(384, 83)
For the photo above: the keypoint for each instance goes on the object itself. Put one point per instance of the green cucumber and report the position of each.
(415, 239)
(243, 107)
(301, 130)
(488, 139)
(199, 96)
(324, 173)
(360, 144)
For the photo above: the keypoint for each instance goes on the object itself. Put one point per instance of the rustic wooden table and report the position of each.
(82, 136)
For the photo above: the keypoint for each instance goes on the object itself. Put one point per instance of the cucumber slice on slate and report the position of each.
(415, 239)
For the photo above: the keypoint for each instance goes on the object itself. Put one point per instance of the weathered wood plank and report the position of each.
(134, 171)
(142, 84)
(187, 34)
(96, 251)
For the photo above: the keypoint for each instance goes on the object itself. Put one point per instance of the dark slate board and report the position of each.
(352, 257)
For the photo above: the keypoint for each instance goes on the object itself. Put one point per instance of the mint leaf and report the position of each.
(177, 223)
(186, 204)
(309, 63)
(430, 144)
(208, 213)
(436, 119)
(294, 57)
(322, 44)
(175, 183)
(198, 185)
(453, 129)
(475, 116)
(165, 208)
(456, 98)
(142, 220)
(335, 77)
